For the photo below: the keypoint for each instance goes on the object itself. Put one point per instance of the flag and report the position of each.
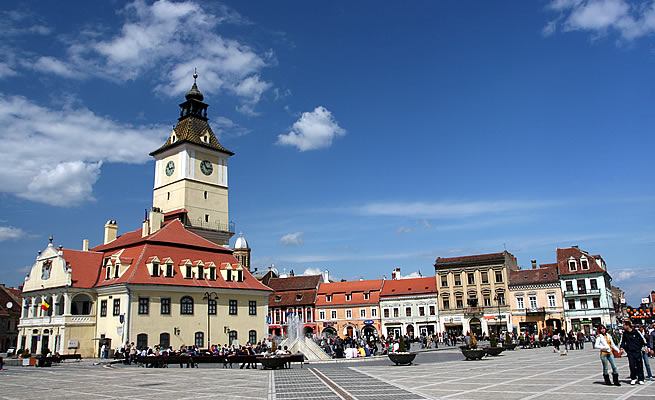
(45, 305)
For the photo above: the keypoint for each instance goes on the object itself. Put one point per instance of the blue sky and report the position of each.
(367, 136)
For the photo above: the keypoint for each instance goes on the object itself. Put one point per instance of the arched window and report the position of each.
(26, 308)
(199, 339)
(233, 336)
(164, 339)
(141, 341)
(186, 305)
(81, 304)
(252, 337)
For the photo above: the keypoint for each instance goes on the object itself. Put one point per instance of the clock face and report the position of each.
(170, 168)
(10, 304)
(206, 167)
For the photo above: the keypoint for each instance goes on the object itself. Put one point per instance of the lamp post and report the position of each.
(497, 299)
(209, 296)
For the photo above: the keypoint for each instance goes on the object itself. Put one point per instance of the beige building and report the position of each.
(473, 292)
(536, 299)
(162, 283)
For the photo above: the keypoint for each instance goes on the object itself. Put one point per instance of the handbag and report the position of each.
(617, 354)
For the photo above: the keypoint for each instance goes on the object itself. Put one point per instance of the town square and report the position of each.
(256, 200)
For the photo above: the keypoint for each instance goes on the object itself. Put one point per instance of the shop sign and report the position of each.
(73, 344)
(327, 324)
(585, 321)
(369, 322)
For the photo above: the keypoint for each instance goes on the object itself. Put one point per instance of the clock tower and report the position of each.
(191, 173)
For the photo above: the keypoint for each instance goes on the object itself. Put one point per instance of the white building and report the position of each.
(409, 307)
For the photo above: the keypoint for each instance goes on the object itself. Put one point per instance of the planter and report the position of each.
(474, 354)
(494, 351)
(510, 346)
(402, 358)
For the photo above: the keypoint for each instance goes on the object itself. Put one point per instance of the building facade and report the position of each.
(587, 290)
(536, 299)
(409, 307)
(473, 292)
(349, 308)
(10, 307)
(292, 295)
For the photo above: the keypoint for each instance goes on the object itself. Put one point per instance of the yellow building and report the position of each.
(171, 282)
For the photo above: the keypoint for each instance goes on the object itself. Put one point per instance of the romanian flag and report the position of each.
(45, 305)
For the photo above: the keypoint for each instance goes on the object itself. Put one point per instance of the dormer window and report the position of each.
(328, 298)
(298, 297)
(155, 269)
(108, 272)
(367, 296)
(212, 273)
(173, 138)
(229, 275)
(573, 266)
(349, 297)
(584, 264)
(169, 270)
(239, 275)
(201, 271)
(278, 298)
(116, 270)
(189, 272)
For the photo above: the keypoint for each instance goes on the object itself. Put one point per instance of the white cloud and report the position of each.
(6, 70)
(600, 17)
(312, 271)
(54, 156)
(447, 209)
(623, 275)
(313, 130)
(10, 233)
(151, 40)
(292, 239)
(403, 229)
(412, 275)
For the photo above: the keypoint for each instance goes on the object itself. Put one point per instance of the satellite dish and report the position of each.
(10, 304)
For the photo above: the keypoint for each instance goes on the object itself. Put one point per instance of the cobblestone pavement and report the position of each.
(521, 374)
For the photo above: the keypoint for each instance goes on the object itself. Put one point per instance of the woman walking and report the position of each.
(606, 344)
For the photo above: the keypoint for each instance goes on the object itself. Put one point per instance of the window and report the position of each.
(201, 272)
(165, 303)
(328, 298)
(362, 313)
(298, 297)
(408, 311)
(471, 278)
(144, 305)
(186, 305)
(334, 314)
(212, 273)
(108, 272)
(433, 310)
(252, 307)
(374, 312)
(584, 264)
(349, 314)
(309, 315)
(519, 302)
(487, 301)
(211, 307)
(164, 340)
(169, 270)
(252, 337)
(533, 302)
(569, 286)
(593, 284)
(444, 280)
(278, 298)
(446, 304)
(499, 276)
(349, 297)
(189, 272)
(116, 271)
(396, 313)
(572, 265)
(571, 304)
(460, 303)
(596, 301)
(321, 315)
(239, 275)
(551, 300)
(233, 336)
(117, 307)
(485, 277)
(141, 341)
(500, 298)
(582, 289)
(367, 296)
(206, 217)
(233, 307)
(458, 280)
(421, 311)
(155, 269)
(583, 304)
(229, 275)
(103, 308)
(385, 312)
(205, 195)
(199, 339)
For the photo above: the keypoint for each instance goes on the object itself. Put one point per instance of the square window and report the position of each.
(321, 315)
(252, 307)
(362, 313)
(334, 314)
(349, 297)
(117, 307)
(386, 313)
(211, 307)
(367, 296)
(444, 280)
(485, 277)
(499, 276)
(596, 301)
(571, 304)
(233, 307)
(551, 300)
(165, 305)
(408, 311)
(374, 312)
(458, 280)
(519, 302)
(349, 314)
(144, 305)
(471, 278)
(328, 298)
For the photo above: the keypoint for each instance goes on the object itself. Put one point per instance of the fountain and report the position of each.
(298, 343)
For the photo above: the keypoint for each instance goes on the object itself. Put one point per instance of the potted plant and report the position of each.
(509, 343)
(542, 342)
(471, 352)
(493, 348)
(402, 356)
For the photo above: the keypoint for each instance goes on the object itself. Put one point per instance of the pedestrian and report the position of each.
(646, 354)
(606, 344)
(581, 339)
(633, 342)
(556, 343)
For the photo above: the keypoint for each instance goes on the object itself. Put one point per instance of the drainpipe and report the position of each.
(128, 315)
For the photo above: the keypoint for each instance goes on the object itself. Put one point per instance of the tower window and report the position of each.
(205, 195)
(206, 217)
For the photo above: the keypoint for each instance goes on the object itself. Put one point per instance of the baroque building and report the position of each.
(171, 282)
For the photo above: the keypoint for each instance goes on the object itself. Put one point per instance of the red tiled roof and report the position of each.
(564, 255)
(404, 287)
(295, 283)
(356, 289)
(478, 258)
(85, 267)
(289, 299)
(533, 276)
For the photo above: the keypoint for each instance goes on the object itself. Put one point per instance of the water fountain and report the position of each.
(298, 343)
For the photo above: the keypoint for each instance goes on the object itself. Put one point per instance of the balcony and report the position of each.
(58, 320)
(536, 311)
(581, 292)
(473, 311)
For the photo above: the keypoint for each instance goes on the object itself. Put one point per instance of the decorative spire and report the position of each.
(194, 93)
(51, 239)
(194, 106)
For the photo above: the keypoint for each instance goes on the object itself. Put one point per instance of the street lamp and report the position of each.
(497, 299)
(209, 297)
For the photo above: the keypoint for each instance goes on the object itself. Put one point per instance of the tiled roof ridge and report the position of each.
(189, 130)
(470, 257)
(210, 244)
(136, 266)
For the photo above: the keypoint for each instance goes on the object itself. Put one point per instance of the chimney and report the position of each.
(156, 219)
(85, 245)
(291, 274)
(534, 264)
(111, 231)
(145, 228)
(326, 276)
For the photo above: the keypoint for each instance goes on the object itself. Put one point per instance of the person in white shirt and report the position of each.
(606, 345)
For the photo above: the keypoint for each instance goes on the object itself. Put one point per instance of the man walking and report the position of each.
(633, 342)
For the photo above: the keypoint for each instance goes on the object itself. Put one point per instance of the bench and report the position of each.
(281, 361)
(193, 361)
